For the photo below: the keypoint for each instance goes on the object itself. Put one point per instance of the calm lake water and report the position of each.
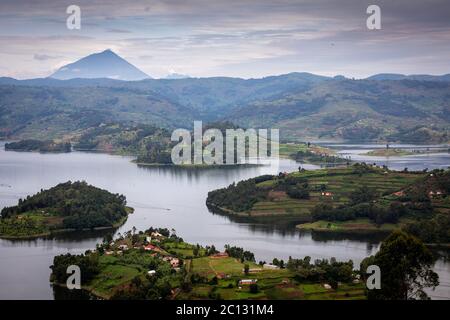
(162, 197)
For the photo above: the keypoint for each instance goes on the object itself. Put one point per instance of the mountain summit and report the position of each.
(105, 64)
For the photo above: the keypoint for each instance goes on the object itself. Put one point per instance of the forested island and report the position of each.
(358, 199)
(310, 153)
(39, 146)
(148, 143)
(388, 153)
(65, 207)
(157, 264)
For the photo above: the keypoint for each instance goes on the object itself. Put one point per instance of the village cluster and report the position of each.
(149, 244)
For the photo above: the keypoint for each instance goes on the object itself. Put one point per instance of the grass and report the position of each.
(388, 153)
(210, 267)
(340, 182)
(358, 225)
(113, 275)
(272, 284)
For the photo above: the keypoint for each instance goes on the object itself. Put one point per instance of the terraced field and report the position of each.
(337, 184)
(272, 284)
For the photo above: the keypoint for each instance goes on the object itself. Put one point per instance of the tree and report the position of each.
(195, 251)
(254, 288)
(405, 265)
(362, 194)
(246, 268)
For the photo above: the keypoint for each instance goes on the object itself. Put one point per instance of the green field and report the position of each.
(112, 276)
(272, 284)
(362, 225)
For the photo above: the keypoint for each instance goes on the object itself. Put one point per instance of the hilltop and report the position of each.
(67, 206)
(106, 64)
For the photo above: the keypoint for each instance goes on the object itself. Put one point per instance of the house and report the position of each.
(244, 282)
(151, 247)
(109, 253)
(327, 194)
(151, 273)
(435, 193)
(220, 255)
(270, 266)
(148, 239)
(156, 234)
(123, 247)
(174, 262)
(399, 193)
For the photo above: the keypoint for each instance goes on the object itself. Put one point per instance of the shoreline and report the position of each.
(60, 231)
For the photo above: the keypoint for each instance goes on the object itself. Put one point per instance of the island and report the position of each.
(157, 264)
(39, 146)
(360, 198)
(311, 153)
(68, 206)
(388, 152)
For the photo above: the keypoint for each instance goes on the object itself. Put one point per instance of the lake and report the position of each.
(162, 197)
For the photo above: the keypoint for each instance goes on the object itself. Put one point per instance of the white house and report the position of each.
(156, 234)
(270, 266)
(247, 281)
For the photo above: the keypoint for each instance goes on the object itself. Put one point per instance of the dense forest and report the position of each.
(38, 145)
(69, 205)
(308, 156)
(239, 196)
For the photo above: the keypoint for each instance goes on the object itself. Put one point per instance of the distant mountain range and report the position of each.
(304, 106)
(105, 64)
(418, 77)
(174, 76)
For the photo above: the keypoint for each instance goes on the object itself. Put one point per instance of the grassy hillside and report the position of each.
(407, 111)
(48, 112)
(359, 198)
(303, 106)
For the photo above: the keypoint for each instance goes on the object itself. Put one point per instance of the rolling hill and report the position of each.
(303, 106)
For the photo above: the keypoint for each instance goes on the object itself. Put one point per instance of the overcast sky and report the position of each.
(244, 38)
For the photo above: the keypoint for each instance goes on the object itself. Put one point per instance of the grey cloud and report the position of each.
(240, 35)
(118, 31)
(44, 57)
